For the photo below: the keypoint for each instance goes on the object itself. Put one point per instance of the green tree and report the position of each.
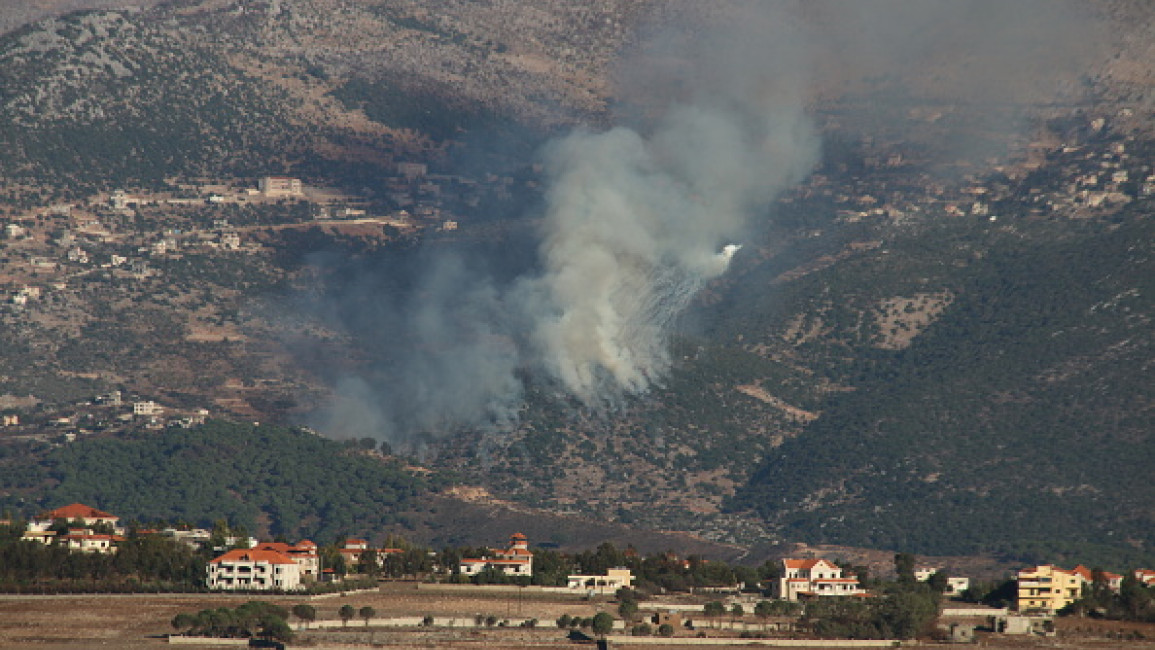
(346, 613)
(602, 624)
(665, 629)
(305, 612)
(713, 610)
(938, 581)
(369, 564)
(904, 567)
(763, 610)
(1136, 600)
(183, 622)
(908, 613)
(628, 609)
(737, 611)
(367, 613)
(276, 628)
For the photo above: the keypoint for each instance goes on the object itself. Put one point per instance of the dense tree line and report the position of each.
(141, 563)
(1133, 601)
(253, 619)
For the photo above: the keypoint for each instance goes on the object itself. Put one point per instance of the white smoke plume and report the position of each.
(711, 127)
(636, 225)
(639, 218)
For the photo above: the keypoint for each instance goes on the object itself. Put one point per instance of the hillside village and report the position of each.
(183, 260)
(788, 588)
(180, 263)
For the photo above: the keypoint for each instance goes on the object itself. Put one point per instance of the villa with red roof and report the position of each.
(253, 569)
(75, 512)
(805, 578)
(517, 560)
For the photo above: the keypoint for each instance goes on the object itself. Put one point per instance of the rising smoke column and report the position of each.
(638, 219)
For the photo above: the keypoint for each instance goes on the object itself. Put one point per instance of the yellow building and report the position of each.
(1048, 588)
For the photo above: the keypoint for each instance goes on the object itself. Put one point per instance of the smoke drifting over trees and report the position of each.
(712, 127)
(638, 217)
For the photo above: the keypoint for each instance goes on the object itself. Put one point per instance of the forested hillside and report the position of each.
(1019, 422)
(268, 479)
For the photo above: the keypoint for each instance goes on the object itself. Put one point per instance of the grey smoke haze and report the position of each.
(713, 126)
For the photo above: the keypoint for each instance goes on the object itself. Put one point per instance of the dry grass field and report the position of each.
(142, 621)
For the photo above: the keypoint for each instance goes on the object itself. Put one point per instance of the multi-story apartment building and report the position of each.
(252, 569)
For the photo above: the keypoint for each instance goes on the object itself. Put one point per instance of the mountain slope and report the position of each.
(1021, 418)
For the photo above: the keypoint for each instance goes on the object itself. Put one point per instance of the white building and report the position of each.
(517, 560)
(609, 583)
(954, 586)
(814, 577)
(278, 186)
(147, 408)
(252, 569)
(87, 541)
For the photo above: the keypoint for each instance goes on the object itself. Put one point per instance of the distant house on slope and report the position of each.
(805, 578)
(614, 579)
(281, 186)
(87, 515)
(517, 560)
(954, 585)
(87, 541)
(1048, 588)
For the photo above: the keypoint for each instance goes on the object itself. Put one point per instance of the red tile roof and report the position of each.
(254, 555)
(85, 534)
(792, 563)
(1083, 572)
(303, 548)
(78, 511)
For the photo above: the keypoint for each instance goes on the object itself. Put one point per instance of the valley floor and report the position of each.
(142, 621)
